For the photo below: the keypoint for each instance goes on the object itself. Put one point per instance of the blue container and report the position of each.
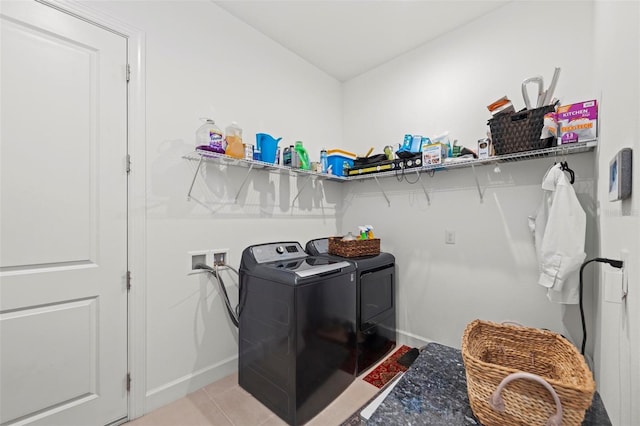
(337, 164)
(268, 147)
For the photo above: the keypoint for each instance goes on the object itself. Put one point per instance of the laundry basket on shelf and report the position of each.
(556, 388)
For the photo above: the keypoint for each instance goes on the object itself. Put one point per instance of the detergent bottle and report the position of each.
(235, 148)
(209, 136)
(303, 155)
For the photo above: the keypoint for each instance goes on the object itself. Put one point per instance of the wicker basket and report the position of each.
(520, 131)
(491, 352)
(354, 248)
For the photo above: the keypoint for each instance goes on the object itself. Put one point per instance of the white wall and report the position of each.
(202, 62)
(446, 84)
(617, 77)
(491, 271)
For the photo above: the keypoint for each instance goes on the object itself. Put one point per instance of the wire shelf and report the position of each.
(573, 148)
(222, 159)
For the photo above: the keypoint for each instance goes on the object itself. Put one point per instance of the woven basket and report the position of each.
(520, 131)
(491, 352)
(354, 248)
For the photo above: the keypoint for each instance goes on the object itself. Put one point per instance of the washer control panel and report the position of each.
(274, 252)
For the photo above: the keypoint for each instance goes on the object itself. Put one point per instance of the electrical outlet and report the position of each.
(624, 256)
(219, 257)
(449, 237)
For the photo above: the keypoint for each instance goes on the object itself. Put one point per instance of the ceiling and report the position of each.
(348, 37)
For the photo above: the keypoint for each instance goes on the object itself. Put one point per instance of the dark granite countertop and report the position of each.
(434, 392)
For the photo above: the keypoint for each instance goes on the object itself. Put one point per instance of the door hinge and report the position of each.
(128, 72)
(128, 164)
(128, 280)
(128, 382)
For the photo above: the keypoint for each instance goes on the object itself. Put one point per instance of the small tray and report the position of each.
(354, 248)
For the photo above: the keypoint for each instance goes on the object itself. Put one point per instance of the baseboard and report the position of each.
(411, 340)
(181, 387)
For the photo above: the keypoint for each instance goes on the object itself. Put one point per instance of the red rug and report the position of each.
(386, 371)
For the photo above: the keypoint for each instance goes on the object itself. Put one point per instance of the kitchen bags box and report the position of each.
(577, 122)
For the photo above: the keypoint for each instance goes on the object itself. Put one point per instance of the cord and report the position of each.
(233, 314)
(401, 175)
(616, 264)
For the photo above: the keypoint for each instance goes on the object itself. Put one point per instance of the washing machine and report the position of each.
(375, 302)
(297, 331)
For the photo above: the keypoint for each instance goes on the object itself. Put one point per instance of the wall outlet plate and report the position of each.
(624, 256)
(195, 257)
(219, 257)
(449, 237)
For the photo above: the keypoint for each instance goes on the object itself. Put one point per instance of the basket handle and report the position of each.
(522, 115)
(512, 323)
(497, 403)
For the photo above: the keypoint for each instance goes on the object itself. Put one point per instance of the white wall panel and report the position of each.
(53, 367)
(61, 88)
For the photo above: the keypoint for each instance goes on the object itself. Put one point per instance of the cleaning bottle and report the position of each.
(303, 155)
(324, 162)
(235, 148)
(286, 157)
(209, 136)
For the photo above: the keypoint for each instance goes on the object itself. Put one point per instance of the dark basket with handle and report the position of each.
(519, 131)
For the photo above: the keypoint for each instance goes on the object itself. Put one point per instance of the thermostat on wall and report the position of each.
(620, 175)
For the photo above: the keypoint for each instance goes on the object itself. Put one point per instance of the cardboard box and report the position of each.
(577, 122)
(434, 154)
(484, 148)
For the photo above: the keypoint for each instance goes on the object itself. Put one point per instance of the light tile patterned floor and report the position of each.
(224, 403)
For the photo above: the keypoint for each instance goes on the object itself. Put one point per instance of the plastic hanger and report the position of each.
(564, 166)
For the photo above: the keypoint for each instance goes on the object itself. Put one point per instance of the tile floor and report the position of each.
(224, 403)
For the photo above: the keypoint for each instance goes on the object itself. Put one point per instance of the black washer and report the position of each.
(297, 331)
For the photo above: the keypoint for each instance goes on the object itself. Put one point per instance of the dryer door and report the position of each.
(376, 295)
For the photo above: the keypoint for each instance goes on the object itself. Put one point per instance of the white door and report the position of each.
(63, 219)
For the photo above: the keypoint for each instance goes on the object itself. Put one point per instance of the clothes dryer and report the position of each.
(375, 302)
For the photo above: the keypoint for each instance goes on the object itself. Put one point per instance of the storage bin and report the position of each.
(492, 353)
(520, 131)
(337, 164)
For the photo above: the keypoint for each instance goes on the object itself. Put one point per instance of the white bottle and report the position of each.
(209, 136)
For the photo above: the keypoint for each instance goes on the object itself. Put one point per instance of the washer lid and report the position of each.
(310, 266)
(318, 246)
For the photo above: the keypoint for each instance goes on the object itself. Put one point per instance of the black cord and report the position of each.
(616, 264)
(233, 315)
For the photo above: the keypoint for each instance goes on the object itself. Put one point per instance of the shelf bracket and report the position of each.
(480, 191)
(382, 190)
(426, 194)
(194, 178)
(244, 181)
(300, 189)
